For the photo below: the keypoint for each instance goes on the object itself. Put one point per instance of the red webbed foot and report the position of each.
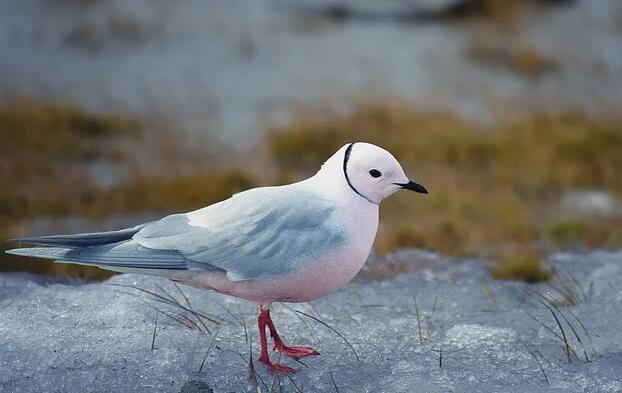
(280, 368)
(277, 367)
(264, 321)
(294, 352)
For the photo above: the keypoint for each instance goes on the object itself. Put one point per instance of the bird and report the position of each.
(289, 243)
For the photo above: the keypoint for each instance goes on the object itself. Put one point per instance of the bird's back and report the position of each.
(258, 233)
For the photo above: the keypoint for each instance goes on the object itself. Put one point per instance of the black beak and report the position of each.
(412, 186)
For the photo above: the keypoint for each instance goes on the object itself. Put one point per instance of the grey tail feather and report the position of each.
(58, 254)
(116, 255)
(82, 239)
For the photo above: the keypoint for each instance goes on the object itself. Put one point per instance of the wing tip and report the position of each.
(39, 252)
(14, 251)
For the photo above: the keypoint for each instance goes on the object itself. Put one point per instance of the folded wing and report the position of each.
(258, 233)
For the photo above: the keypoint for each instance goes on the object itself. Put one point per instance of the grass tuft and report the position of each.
(571, 343)
(523, 264)
(333, 330)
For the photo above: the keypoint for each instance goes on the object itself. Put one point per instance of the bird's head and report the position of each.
(373, 173)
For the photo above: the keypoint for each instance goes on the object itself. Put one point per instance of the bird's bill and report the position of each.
(412, 186)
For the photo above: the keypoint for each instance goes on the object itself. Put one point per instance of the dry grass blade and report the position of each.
(177, 303)
(205, 316)
(440, 357)
(294, 383)
(491, 295)
(173, 302)
(151, 293)
(304, 322)
(276, 381)
(155, 328)
(568, 350)
(334, 384)
(177, 318)
(195, 324)
(253, 373)
(572, 329)
(245, 330)
(174, 317)
(432, 314)
(418, 322)
(569, 287)
(544, 325)
(170, 300)
(183, 294)
(232, 315)
(334, 330)
(209, 348)
(587, 334)
(546, 378)
(300, 362)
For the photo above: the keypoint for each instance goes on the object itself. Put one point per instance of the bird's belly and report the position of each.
(314, 280)
(310, 280)
(321, 277)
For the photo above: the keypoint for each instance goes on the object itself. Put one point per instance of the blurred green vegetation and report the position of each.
(493, 190)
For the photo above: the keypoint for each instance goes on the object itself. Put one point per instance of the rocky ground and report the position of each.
(448, 327)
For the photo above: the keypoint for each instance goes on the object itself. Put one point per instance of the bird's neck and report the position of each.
(330, 182)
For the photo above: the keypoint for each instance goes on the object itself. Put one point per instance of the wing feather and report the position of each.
(258, 233)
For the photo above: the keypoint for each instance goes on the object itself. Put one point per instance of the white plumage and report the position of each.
(295, 242)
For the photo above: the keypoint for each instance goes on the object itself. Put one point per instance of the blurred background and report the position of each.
(116, 112)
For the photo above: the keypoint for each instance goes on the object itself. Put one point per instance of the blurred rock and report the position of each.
(590, 202)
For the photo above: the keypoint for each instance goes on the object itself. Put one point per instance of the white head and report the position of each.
(372, 172)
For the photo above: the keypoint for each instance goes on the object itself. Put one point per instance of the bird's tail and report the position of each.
(40, 252)
(65, 255)
(81, 239)
(59, 247)
(113, 250)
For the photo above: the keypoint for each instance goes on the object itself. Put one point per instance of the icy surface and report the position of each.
(480, 336)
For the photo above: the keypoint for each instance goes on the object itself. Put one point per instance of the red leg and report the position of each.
(292, 352)
(262, 322)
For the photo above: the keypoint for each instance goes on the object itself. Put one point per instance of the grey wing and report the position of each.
(259, 233)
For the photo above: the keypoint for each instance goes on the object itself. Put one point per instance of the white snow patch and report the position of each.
(468, 335)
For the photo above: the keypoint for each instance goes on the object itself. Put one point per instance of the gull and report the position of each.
(289, 243)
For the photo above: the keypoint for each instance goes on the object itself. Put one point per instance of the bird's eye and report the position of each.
(375, 173)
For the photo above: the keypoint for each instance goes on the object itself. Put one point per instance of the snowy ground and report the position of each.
(56, 337)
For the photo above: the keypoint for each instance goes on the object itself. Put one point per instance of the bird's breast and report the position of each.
(336, 268)
(315, 278)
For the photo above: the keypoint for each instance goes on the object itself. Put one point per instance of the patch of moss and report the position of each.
(566, 231)
(527, 268)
